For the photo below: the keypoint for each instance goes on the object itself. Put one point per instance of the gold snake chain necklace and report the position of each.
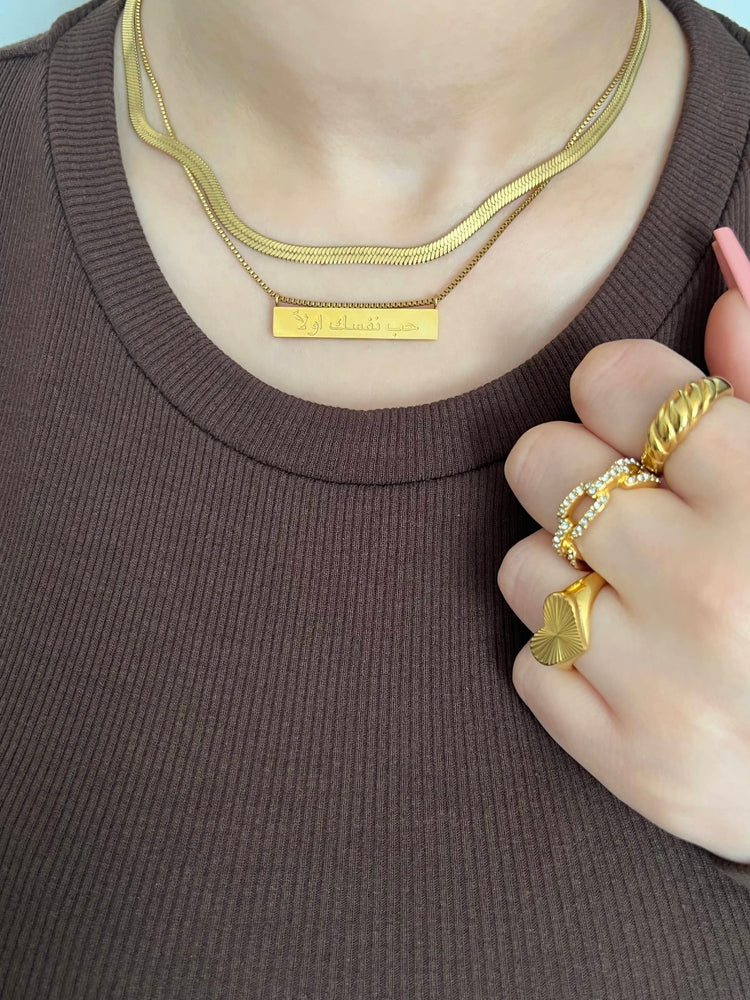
(402, 319)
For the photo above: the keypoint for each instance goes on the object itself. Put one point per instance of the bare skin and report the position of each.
(302, 156)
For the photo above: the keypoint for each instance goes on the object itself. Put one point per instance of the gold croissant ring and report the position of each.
(565, 633)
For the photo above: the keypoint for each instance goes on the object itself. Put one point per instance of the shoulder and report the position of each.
(20, 57)
(24, 78)
(740, 34)
(23, 68)
(30, 205)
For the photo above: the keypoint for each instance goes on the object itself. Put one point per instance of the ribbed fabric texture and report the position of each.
(258, 734)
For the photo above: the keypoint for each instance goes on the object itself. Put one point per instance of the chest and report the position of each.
(537, 276)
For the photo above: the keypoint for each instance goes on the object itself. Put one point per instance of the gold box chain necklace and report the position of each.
(583, 139)
(404, 319)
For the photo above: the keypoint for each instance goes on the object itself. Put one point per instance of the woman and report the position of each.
(271, 726)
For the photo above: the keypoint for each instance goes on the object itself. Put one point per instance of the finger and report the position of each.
(726, 345)
(622, 541)
(530, 571)
(617, 390)
(572, 711)
(549, 460)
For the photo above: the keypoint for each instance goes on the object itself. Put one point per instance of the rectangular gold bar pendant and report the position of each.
(358, 323)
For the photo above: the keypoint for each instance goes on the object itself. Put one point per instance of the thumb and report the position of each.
(727, 342)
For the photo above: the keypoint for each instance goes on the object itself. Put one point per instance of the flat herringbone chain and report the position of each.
(582, 141)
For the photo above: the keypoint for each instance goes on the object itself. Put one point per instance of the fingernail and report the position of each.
(733, 261)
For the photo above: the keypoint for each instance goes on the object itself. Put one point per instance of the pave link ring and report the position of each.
(626, 472)
(565, 632)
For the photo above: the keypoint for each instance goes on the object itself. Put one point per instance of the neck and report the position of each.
(396, 102)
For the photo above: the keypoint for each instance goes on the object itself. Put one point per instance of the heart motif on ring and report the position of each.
(559, 639)
(565, 632)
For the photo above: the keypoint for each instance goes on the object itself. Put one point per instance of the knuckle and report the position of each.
(516, 569)
(520, 677)
(715, 588)
(525, 462)
(507, 574)
(595, 365)
(719, 607)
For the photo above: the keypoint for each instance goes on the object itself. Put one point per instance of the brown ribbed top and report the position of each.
(258, 734)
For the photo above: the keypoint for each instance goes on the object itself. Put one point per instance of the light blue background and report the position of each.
(21, 18)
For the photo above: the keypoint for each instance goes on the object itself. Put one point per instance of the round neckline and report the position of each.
(393, 444)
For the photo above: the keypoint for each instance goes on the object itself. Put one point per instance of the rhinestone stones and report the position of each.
(625, 472)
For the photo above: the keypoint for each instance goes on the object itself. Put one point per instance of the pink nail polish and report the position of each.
(733, 261)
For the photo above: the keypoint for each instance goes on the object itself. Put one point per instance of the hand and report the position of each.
(658, 708)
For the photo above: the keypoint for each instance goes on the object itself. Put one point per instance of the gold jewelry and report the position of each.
(625, 472)
(407, 323)
(567, 613)
(576, 148)
(677, 415)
